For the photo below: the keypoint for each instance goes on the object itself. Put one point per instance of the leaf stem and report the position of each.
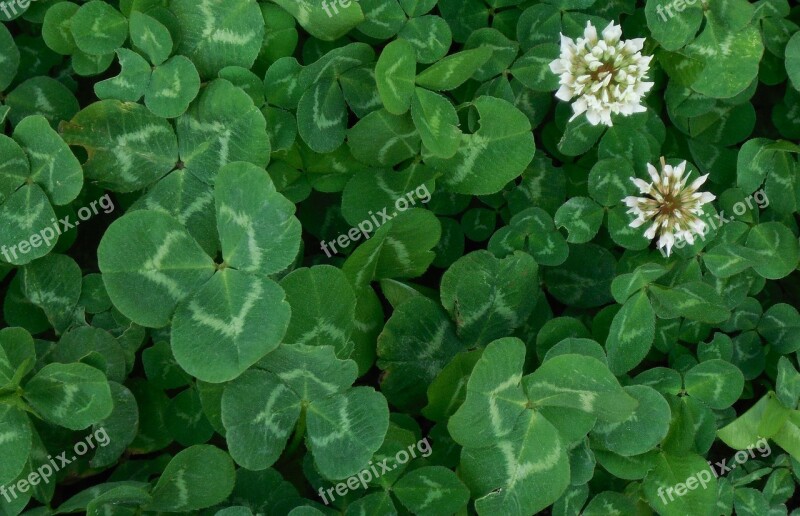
(299, 433)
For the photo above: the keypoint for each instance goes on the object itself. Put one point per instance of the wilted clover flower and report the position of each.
(672, 208)
(605, 76)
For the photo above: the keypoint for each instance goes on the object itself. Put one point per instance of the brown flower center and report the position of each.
(605, 68)
(670, 205)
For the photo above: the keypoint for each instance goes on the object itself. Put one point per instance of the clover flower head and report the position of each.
(605, 75)
(672, 208)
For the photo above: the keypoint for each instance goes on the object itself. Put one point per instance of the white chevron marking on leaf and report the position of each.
(390, 71)
(321, 120)
(518, 471)
(334, 61)
(344, 427)
(124, 153)
(494, 410)
(364, 326)
(149, 36)
(381, 183)
(503, 310)
(197, 206)
(223, 133)
(13, 162)
(8, 436)
(122, 82)
(151, 268)
(191, 419)
(41, 298)
(471, 150)
(292, 83)
(180, 485)
(174, 91)
(244, 221)
(587, 398)
(434, 492)
(425, 357)
(208, 18)
(323, 327)
(294, 374)
(369, 260)
(267, 417)
(69, 397)
(46, 161)
(26, 221)
(400, 250)
(231, 38)
(235, 326)
(42, 102)
(468, 319)
(400, 138)
(715, 379)
(303, 12)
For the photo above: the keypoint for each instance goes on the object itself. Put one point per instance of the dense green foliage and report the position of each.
(354, 257)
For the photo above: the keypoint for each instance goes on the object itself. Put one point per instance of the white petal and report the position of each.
(698, 226)
(635, 45)
(579, 107)
(651, 231)
(653, 171)
(631, 201)
(644, 186)
(564, 93)
(644, 87)
(697, 183)
(627, 109)
(590, 33)
(706, 198)
(612, 33)
(557, 67)
(593, 116)
(667, 240)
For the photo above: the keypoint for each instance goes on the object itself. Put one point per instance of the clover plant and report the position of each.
(377, 257)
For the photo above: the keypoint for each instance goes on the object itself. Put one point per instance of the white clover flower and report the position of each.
(604, 76)
(672, 208)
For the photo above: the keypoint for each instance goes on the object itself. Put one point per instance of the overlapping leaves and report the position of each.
(150, 255)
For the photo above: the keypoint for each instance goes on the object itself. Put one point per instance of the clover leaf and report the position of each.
(227, 302)
(399, 256)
